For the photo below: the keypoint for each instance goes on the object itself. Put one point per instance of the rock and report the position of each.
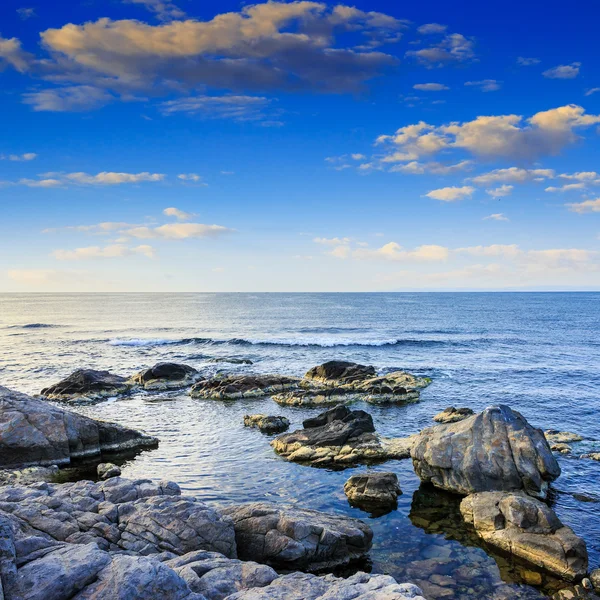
(87, 385)
(338, 437)
(28, 475)
(34, 432)
(301, 586)
(528, 529)
(561, 448)
(338, 372)
(313, 397)
(453, 415)
(373, 491)
(561, 437)
(592, 456)
(267, 424)
(496, 450)
(231, 360)
(107, 470)
(298, 539)
(165, 376)
(595, 579)
(233, 387)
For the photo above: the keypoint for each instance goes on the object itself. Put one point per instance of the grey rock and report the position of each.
(298, 539)
(528, 529)
(28, 475)
(165, 376)
(496, 450)
(107, 470)
(301, 586)
(453, 415)
(595, 579)
(336, 372)
(234, 387)
(373, 490)
(561, 437)
(34, 432)
(267, 424)
(87, 385)
(231, 360)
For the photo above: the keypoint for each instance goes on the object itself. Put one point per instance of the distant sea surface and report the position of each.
(537, 352)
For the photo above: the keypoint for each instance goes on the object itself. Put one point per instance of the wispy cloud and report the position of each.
(430, 87)
(496, 217)
(19, 157)
(451, 194)
(112, 251)
(563, 71)
(485, 85)
(527, 62)
(180, 215)
(500, 192)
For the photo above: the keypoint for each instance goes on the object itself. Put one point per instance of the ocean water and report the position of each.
(537, 352)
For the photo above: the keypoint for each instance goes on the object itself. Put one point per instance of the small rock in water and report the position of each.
(267, 424)
(592, 455)
(561, 448)
(107, 470)
(165, 376)
(373, 491)
(336, 372)
(234, 387)
(87, 385)
(561, 437)
(452, 415)
(595, 579)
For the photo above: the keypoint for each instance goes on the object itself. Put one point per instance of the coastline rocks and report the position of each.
(528, 529)
(87, 385)
(34, 432)
(107, 470)
(267, 424)
(234, 387)
(362, 586)
(296, 538)
(453, 415)
(373, 491)
(339, 372)
(495, 450)
(165, 376)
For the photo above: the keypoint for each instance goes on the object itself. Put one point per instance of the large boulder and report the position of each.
(528, 529)
(496, 450)
(165, 376)
(302, 586)
(297, 539)
(234, 387)
(34, 432)
(339, 437)
(86, 385)
(374, 492)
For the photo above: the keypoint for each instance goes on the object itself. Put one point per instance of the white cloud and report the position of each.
(75, 98)
(485, 85)
(178, 214)
(592, 91)
(112, 251)
(358, 156)
(500, 192)
(13, 55)
(19, 157)
(586, 176)
(177, 231)
(43, 183)
(563, 71)
(430, 87)
(163, 9)
(394, 252)
(569, 187)
(112, 178)
(193, 177)
(430, 28)
(509, 251)
(435, 168)
(496, 217)
(513, 175)
(451, 194)
(585, 207)
(455, 47)
(336, 241)
(26, 13)
(527, 62)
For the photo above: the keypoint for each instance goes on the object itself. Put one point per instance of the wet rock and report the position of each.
(339, 372)
(313, 397)
(165, 376)
(592, 456)
(528, 529)
(298, 539)
(373, 491)
(561, 437)
(496, 450)
(28, 475)
(231, 360)
(87, 385)
(453, 415)
(339, 437)
(107, 470)
(234, 387)
(267, 424)
(301, 586)
(595, 579)
(34, 432)
(561, 448)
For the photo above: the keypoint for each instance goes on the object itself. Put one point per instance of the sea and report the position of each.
(539, 353)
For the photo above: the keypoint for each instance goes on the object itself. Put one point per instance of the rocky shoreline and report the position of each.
(137, 539)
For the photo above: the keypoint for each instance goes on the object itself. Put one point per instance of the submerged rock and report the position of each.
(453, 415)
(34, 432)
(267, 424)
(87, 385)
(107, 470)
(234, 387)
(373, 491)
(296, 538)
(301, 586)
(231, 360)
(496, 450)
(165, 376)
(339, 437)
(527, 528)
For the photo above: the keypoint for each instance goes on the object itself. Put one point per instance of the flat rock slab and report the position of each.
(87, 385)
(34, 432)
(453, 415)
(297, 539)
(301, 586)
(164, 376)
(234, 387)
(495, 450)
(372, 491)
(266, 423)
(528, 529)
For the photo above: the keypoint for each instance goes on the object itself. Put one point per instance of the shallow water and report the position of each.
(539, 353)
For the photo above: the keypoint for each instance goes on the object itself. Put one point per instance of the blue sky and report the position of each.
(155, 145)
